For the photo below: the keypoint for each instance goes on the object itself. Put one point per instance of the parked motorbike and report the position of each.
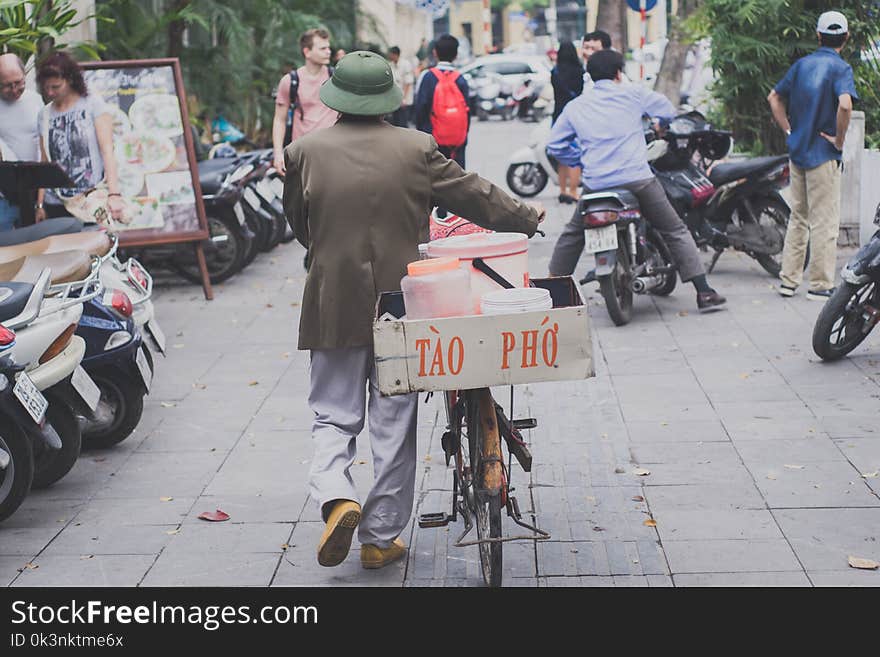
(119, 364)
(230, 238)
(45, 319)
(494, 98)
(631, 257)
(534, 99)
(529, 169)
(853, 310)
(731, 205)
(22, 412)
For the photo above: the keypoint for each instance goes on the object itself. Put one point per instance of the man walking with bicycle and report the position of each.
(362, 230)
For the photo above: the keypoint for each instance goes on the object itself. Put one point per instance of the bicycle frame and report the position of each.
(485, 474)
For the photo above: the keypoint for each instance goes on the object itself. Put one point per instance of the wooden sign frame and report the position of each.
(151, 236)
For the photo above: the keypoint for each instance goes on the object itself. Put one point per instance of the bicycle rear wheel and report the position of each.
(486, 493)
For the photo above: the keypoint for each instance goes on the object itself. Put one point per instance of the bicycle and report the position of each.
(481, 481)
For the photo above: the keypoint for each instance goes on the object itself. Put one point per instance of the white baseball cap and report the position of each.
(832, 22)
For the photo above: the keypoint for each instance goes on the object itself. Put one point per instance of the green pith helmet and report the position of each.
(362, 84)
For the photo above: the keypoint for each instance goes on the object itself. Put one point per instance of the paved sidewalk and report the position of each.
(763, 462)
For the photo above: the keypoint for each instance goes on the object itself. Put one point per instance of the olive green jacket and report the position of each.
(358, 196)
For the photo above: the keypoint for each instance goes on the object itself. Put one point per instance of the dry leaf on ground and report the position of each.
(771, 476)
(794, 467)
(619, 470)
(172, 532)
(168, 404)
(641, 472)
(214, 516)
(650, 522)
(165, 499)
(638, 498)
(254, 383)
(870, 475)
(863, 564)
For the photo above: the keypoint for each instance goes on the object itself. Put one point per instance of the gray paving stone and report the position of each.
(183, 474)
(123, 512)
(661, 431)
(179, 439)
(25, 541)
(689, 525)
(823, 484)
(707, 497)
(742, 579)
(778, 453)
(255, 508)
(720, 556)
(97, 571)
(212, 568)
(230, 537)
(10, 568)
(825, 538)
(84, 539)
(850, 577)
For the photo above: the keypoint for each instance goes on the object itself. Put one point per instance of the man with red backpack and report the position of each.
(441, 102)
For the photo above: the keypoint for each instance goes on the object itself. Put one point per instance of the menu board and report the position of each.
(158, 174)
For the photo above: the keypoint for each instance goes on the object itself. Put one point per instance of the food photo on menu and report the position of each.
(150, 148)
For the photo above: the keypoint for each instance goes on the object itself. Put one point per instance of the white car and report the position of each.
(513, 68)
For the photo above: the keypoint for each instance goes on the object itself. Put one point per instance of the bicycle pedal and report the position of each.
(525, 423)
(428, 520)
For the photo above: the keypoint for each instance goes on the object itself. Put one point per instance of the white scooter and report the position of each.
(46, 343)
(529, 169)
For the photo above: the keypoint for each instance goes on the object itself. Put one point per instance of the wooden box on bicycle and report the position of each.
(460, 353)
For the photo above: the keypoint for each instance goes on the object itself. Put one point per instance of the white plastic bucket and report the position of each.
(517, 300)
(506, 253)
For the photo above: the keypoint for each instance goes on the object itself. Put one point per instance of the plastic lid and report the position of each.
(518, 296)
(479, 245)
(431, 266)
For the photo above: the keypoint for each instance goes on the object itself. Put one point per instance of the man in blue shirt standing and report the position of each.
(819, 90)
(607, 122)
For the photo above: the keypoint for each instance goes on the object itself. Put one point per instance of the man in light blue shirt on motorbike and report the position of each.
(610, 148)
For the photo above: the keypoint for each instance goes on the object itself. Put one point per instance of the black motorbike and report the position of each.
(631, 257)
(853, 310)
(732, 205)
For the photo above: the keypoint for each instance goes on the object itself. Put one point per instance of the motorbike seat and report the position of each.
(93, 243)
(213, 171)
(725, 173)
(60, 226)
(616, 198)
(13, 299)
(66, 267)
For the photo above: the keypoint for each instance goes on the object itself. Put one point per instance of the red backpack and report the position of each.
(449, 112)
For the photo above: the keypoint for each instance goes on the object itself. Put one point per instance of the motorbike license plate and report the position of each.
(30, 397)
(600, 239)
(85, 387)
(278, 187)
(143, 366)
(265, 190)
(251, 198)
(239, 213)
(154, 330)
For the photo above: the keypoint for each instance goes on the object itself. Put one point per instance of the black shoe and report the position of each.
(569, 199)
(708, 302)
(562, 198)
(820, 295)
(589, 278)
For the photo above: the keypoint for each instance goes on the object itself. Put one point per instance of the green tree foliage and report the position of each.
(29, 27)
(232, 53)
(755, 41)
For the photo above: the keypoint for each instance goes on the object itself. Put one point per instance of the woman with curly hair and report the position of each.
(76, 131)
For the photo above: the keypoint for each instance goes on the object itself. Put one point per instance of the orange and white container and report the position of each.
(436, 287)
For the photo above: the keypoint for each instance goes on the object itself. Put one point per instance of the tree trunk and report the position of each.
(176, 29)
(672, 67)
(611, 17)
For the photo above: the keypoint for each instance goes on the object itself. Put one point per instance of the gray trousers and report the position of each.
(658, 211)
(338, 397)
